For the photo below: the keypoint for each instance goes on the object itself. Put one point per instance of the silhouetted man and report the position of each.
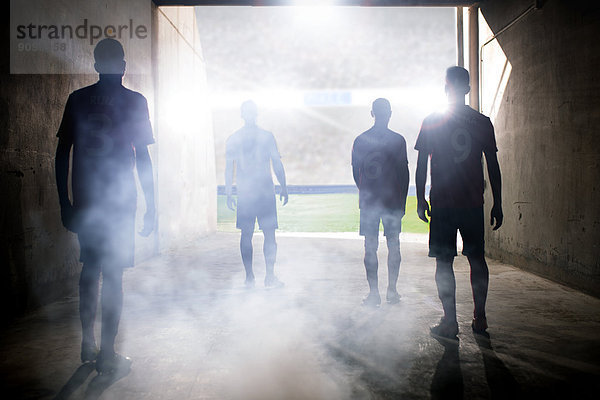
(108, 128)
(380, 170)
(251, 151)
(455, 141)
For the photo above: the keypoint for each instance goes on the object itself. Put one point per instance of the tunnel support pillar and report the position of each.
(474, 56)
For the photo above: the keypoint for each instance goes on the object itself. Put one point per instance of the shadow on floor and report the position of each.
(447, 382)
(501, 382)
(95, 388)
(75, 381)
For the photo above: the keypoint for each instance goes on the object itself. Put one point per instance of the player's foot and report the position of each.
(89, 351)
(271, 281)
(249, 283)
(392, 296)
(445, 329)
(372, 300)
(107, 363)
(479, 326)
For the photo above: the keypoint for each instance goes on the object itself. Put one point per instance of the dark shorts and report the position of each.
(442, 231)
(261, 208)
(370, 217)
(107, 238)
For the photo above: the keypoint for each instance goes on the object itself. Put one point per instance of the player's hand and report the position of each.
(231, 204)
(283, 195)
(423, 210)
(148, 222)
(497, 216)
(68, 216)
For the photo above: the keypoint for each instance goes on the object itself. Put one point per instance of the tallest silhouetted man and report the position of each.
(108, 129)
(455, 141)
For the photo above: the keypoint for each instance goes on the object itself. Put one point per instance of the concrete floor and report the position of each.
(194, 332)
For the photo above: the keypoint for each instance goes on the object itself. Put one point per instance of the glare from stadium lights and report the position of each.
(266, 99)
(314, 14)
(278, 98)
(424, 100)
(427, 99)
(314, 3)
(180, 111)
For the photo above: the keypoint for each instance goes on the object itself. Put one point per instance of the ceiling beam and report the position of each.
(360, 3)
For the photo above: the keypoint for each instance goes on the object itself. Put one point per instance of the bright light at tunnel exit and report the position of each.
(314, 14)
(423, 100)
(314, 3)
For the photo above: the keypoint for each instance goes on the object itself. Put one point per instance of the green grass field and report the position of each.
(320, 213)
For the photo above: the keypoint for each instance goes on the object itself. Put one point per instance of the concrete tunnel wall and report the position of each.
(549, 147)
(40, 257)
(186, 181)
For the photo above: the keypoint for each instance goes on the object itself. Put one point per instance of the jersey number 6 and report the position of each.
(373, 165)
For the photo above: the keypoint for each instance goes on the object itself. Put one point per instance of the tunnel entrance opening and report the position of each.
(314, 71)
(284, 58)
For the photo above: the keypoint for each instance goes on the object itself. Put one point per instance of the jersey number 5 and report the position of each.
(99, 143)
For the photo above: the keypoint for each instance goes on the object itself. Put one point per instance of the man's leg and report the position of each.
(112, 305)
(442, 246)
(480, 278)
(371, 263)
(394, 259)
(446, 285)
(88, 303)
(369, 228)
(371, 266)
(247, 252)
(472, 231)
(270, 250)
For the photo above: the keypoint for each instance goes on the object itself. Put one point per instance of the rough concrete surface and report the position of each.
(548, 142)
(194, 332)
(39, 257)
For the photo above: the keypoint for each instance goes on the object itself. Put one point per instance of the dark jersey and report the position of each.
(105, 123)
(380, 157)
(252, 150)
(456, 140)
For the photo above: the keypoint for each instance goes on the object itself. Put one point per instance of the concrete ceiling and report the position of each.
(363, 3)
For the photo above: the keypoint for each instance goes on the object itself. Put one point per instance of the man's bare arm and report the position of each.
(420, 180)
(493, 168)
(228, 183)
(144, 168)
(280, 174)
(356, 175)
(404, 178)
(61, 169)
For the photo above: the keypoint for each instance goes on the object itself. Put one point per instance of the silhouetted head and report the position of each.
(109, 57)
(381, 110)
(249, 111)
(457, 83)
